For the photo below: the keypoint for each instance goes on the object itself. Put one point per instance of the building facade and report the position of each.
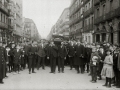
(4, 16)
(62, 26)
(76, 19)
(88, 16)
(107, 21)
(17, 32)
(30, 31)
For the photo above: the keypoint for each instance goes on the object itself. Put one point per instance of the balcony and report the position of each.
(96, 2)
(3, 25)
(88, 12)
(108, 16)
(3, 8)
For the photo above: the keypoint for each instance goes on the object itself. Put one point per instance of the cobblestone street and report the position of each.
(43, 80)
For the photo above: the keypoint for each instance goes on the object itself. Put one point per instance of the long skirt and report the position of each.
(107, 72)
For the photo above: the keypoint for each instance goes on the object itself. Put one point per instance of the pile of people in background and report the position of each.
(99, 60)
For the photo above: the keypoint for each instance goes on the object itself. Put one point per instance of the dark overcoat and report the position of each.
(3, 59)
(41, 51)
(17, 57)
(62, 51)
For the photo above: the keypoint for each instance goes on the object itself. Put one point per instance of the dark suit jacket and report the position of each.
(102, 55)
(52, 51)
(79, 50)
(41, 51)
(71, 50)
(62, 51)
(17, 56)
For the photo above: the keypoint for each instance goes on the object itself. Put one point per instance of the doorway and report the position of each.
(103, 37)
(97, 37)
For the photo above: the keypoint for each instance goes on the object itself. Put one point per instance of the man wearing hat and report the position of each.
(41, 55)
(32, 51)
(6, 62)
(3, 59)
(52, 55)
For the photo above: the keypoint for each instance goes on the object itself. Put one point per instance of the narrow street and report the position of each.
(43, 80)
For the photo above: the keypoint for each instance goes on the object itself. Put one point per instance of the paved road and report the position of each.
(43, 80)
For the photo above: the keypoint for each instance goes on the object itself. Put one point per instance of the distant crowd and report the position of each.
(99, 60)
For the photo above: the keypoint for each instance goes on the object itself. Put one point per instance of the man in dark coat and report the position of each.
(89, 51)
(3, 59)
(102, 54)
(12, 56)
(62, 53)
(71, 53)
(32, 53)
(17, 59)
(26, 47)
(82, 55)
(77, 56)
(52, 54)
(41, 55)
(6, 63)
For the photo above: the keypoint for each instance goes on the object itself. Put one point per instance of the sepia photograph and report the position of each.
(59, 44)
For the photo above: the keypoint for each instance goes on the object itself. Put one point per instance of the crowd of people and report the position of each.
(99, 60)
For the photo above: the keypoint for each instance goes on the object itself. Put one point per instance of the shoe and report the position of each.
(89, 75)
(104, 85)
(2, 82)
(117, 86)
(54, 72)
(6, 76)
(99, 78)
(91, 80)
(94, 81)
(18, 72)
(109, 86)
(33, 72)
(114, 85)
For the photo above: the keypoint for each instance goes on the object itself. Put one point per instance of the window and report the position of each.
(98, 12)
(111, 5)
(103, 9)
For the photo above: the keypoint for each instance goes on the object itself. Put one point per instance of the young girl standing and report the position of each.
(107, 70)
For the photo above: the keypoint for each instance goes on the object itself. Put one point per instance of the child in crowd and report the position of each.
(95, 58)
(107, 70)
